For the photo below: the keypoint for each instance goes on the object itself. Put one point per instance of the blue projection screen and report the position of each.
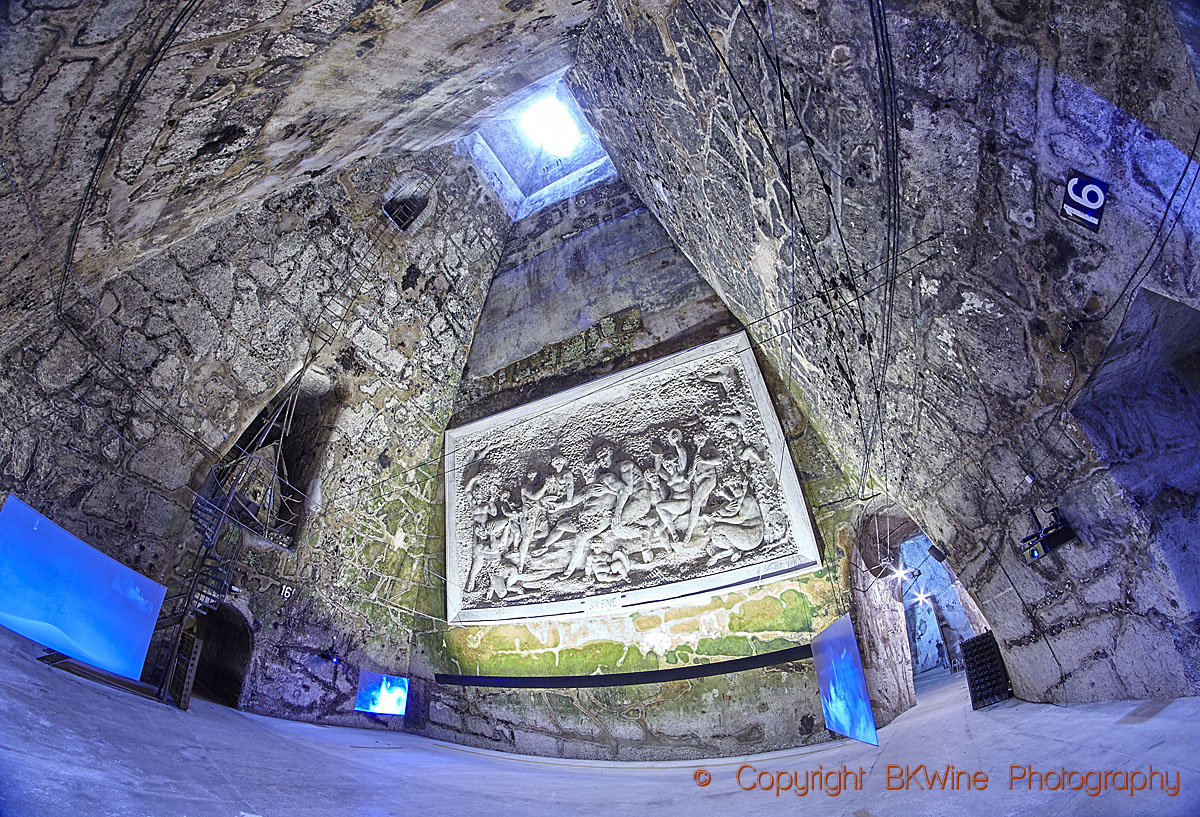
(382, 694)
(61, 592)
(844, 698)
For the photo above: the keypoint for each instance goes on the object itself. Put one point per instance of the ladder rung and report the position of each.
(169, 622)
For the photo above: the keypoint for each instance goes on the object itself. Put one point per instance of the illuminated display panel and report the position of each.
(844, 698)
(61, 592)
(381, 694)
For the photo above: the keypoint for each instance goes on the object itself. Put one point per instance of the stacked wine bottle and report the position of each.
(987, 677)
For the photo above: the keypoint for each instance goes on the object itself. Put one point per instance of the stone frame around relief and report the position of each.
(469, 447)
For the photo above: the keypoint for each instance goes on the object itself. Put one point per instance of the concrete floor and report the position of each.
(73, 748)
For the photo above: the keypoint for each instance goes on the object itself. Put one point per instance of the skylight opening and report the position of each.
(548, 124)
(537, 149)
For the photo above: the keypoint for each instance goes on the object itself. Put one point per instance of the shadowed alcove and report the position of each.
(225, 657)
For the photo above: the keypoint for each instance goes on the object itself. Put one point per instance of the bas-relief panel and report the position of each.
(664, 481)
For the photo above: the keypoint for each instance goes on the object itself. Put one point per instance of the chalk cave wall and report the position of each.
(231, 207)
(215, 274)
(364, 581)
(247, 99)
(210, 331)
(1141, 410)
(585, 288)
(997, 102)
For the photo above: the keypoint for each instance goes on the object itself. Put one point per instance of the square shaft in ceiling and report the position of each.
(538, 150)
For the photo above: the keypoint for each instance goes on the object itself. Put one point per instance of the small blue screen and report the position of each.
(844, 698)
(383, 694)
(59, 591)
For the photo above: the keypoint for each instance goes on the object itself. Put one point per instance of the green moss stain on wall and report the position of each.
(791, 612)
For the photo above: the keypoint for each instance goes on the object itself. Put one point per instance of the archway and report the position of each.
(939, 612)
(871, 544)
(225, 657)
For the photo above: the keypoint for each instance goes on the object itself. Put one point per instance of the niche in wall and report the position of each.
(1141, 411)
(225, 656)
(405, 210)
(410, 199)
(279, 477)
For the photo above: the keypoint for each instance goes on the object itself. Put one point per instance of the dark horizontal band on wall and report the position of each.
(618, 679)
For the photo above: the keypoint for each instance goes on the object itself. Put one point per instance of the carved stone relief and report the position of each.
(667, 480)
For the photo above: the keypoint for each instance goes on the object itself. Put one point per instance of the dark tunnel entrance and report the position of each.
(225, 657)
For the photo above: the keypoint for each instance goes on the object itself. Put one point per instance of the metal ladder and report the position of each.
(212, 572)
(175, 648)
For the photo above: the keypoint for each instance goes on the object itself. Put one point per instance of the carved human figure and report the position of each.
(742, 449)
(494, 538)
(559, 501)
(533, 518)
(627, 482)
(483, 507)
(607, 567)
(483, 500)
(560, 486)
(674, 474)
(508, 581)
(737, 526)
(481, 554)
(656, 533)
(704, 477)
(633, 503)
(775, 527)
(600, 500)
(504, 530)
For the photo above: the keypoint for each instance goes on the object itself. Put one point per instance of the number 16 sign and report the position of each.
(1083, 200)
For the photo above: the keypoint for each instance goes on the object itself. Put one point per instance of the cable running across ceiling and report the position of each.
(843, 359)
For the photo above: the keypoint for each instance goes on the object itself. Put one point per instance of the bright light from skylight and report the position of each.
(548, 123)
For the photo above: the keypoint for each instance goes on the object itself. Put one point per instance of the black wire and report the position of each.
(843, 363)
(758, 320)
(1162, 221)
(772, 54)
(1077, 386)
(181, 19)
(891, 142)
(891, 158)
(787, 153)
(352, 273)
